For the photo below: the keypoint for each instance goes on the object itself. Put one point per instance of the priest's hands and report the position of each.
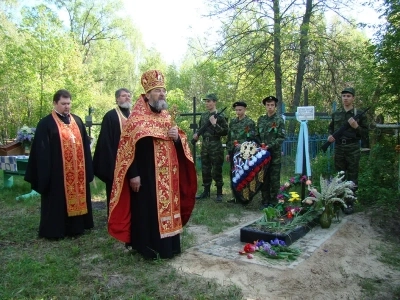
(173, 133)
(135, 183)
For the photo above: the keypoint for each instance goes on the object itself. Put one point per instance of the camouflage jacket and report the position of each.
(241, 131)
(271, 132)
(340, 118)
(221, 129)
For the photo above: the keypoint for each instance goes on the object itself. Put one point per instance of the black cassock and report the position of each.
(145, 233)
(45, 173)
(106, 149)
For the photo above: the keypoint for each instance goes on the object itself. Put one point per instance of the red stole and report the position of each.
(73, 158)
(176, 180)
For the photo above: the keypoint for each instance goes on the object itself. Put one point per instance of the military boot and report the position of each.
(350, 203)
(219, 194)
(350, 206)
(205, 193)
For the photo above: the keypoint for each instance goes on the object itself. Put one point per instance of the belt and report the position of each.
(346, 141)
(211, 138)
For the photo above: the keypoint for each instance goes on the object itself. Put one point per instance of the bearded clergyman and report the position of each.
(155, 181)
(107, 143)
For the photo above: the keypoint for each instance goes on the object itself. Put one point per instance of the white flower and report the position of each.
(335, 191)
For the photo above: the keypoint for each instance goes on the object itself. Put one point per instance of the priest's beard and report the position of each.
(160, 105)
(127, 105)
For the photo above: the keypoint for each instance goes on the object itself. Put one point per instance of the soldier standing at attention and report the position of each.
(347, 147)
(271, 132)
(212, 152)
(241, 129)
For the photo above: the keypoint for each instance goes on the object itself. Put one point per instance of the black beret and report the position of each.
(270, 98)
(239, 103)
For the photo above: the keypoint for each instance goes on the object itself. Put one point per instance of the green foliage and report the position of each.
(93, 266)
(96, 51)
(378, 177)
(322, 165)
(387, 52)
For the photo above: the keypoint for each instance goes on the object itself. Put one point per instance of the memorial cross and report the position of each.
(194, 124)
(320, 115)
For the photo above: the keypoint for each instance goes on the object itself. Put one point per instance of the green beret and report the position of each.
(349, 90)
(212, 97)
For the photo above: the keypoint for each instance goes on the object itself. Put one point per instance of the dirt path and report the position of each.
(333, 271)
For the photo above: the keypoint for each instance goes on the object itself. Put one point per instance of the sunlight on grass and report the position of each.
(94, 265)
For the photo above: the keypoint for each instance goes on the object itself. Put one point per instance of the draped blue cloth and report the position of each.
(302, 148)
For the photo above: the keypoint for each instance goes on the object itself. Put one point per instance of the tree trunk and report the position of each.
(277, 54)
(301, 67)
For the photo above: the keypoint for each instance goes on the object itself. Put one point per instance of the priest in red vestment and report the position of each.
(155, 180)
(60, 170)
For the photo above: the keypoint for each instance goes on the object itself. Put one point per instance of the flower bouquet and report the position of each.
(25, 136)
(289, 201)
(275, 249)
(288, 220)
(331, 197)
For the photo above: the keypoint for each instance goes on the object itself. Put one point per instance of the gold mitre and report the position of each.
(152, 79)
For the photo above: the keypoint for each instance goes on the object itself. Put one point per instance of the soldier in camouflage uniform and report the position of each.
(212, 152)
(271, 132)
(241, 129)
(347, 146)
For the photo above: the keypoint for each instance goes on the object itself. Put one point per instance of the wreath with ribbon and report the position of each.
(249, 162)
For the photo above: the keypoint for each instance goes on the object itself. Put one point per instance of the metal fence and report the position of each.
(289, 149)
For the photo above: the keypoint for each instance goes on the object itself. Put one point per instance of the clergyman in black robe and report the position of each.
(155, 180)
(107, 143)
(66, 208)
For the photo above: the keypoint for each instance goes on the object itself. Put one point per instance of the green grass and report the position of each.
(95, 266)
(385, 220)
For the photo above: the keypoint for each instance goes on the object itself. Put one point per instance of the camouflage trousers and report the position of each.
(271, 184)
(212, 159)
(347, 159)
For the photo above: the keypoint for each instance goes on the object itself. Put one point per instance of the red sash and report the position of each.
(73, 157)
(176, 180)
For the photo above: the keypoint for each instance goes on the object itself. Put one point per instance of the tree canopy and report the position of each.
(278, 47)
